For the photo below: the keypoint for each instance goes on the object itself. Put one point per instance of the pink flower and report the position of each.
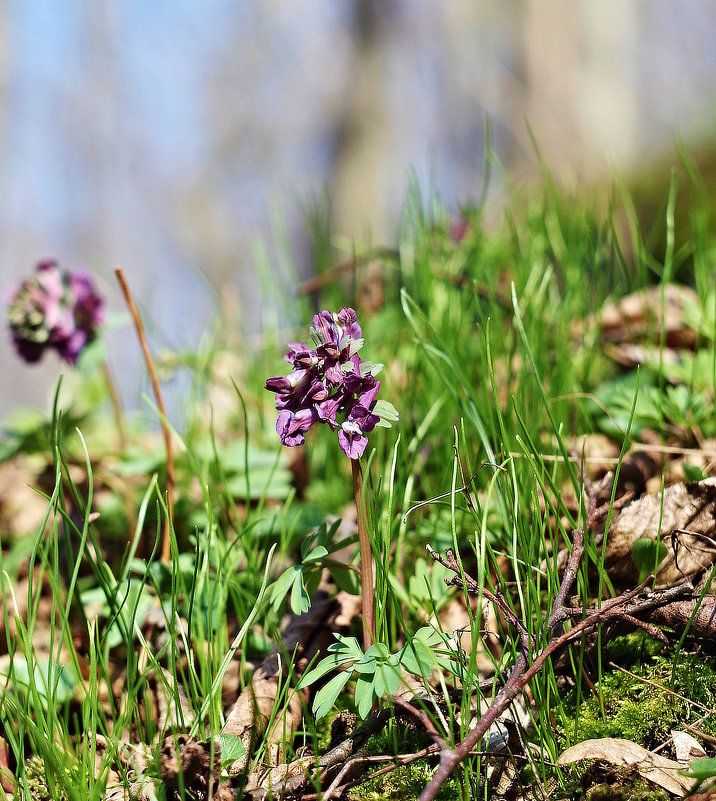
(54, 310)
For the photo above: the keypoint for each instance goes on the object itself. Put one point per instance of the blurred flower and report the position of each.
(459, 228)
(330, 384)
(54, 310)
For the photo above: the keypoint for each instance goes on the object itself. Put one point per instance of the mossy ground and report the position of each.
(407, 781)
(602, 782)
(644, 708)
(628, 707)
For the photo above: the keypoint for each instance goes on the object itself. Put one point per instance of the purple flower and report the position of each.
(352, 434)
(291, 427)
(329, 384)
(459, 228)
(54, 310)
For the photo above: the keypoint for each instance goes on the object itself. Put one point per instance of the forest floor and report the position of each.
(539, 528)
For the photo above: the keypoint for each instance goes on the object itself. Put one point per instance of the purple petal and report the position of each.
(291, 427)
(367, 398)
(88, 305)
(329, 350)
(294, 348)
(327, 411)
(316, 392)
(352, 440)
(349, 322)
(290, 389)
(326, 327)
(49, 279)
(364, 418)
(357, 384)
(31, 352)
(334, 374)
(277, 383)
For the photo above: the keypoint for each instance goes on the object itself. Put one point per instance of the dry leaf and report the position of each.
(653, 767)
(685, 521)
(7, 782)
(686, 747)
(638, 317)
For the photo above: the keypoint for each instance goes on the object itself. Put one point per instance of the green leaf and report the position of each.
(355, 346)
(364, 697)
(347, 580)
(231, 748)
(61, 689)
(417, 658)
(92, 357)
(319, 552)
(702, 769)
(646, 555)
(273, 483)
(326, 665)
(387, 677)
(327, 535)
(378, 651)
(693, 472)
(311, 580)
(327, 695)
(398, 588)
(347, 645)
(300, 599)
(430, 636)
(281, 586)
(387, 413)
(374, 368)
(136, 606)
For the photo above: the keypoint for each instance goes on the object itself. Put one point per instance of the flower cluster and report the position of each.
(330, 384)
(53, 310)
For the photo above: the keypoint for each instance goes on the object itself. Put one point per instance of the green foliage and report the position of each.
(659, 408)
(477, 339)
(378, 670)
(301, 581)
(646, 555)
(702, 769)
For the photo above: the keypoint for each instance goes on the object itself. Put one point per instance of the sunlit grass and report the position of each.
(490, 359)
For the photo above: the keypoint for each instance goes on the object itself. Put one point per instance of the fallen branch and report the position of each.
(339, 755)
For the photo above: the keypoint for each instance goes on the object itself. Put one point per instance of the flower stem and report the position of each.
(366, 557)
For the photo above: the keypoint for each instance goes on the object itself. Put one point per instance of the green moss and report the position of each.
(36, 776)
(603, 782)
(405, 783)
(634, 649)
(645, 709)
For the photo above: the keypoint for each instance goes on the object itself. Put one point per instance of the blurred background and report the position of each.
(169, 137)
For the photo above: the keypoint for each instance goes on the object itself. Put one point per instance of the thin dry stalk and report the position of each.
(166, 538)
